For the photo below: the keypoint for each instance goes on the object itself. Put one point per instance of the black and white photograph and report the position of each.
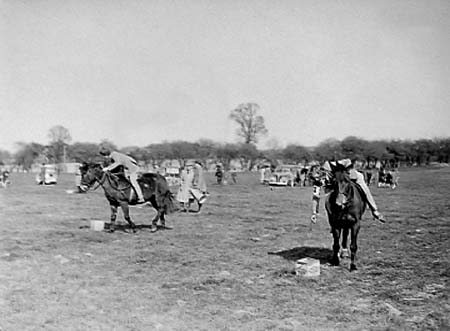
(239, 165)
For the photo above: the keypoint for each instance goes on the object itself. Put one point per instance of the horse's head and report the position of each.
(90, 172)
(342, 184)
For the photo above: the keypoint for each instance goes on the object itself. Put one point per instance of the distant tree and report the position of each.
(443, 149)
(272, 155)
(59, 138)
(374, 150)
(248, 153)
(5, 157)
(84, 152)
(353, 147)
(423, 150)
(108, 144)
(250, 124)
(138, 153)
(206, 148)
(158, 152)
(329, 149)
(295, 154)
(27, 154)
(226, 153)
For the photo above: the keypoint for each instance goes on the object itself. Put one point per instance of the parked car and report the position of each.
(282, 176)
(48, 175)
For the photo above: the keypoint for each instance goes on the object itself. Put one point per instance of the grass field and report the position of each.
(213, 271)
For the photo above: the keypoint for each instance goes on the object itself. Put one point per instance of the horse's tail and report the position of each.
(167, 202)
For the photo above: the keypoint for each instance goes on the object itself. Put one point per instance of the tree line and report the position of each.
(406, 152)
(250, 127)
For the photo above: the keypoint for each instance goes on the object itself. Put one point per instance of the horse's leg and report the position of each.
(126, 215)
(336, 233)
(163, 221)
(112, 225)
(344, 250)
(154, 226)
(353, 245)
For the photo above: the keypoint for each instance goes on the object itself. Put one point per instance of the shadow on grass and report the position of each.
(296, 253)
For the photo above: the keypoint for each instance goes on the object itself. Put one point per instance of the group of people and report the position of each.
(221, 176)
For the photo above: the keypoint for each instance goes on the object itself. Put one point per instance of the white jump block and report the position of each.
(97, 225)
(307, 267)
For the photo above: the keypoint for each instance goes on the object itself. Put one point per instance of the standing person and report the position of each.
(233, 174)
(355, 176)
(219, 174)
(184, 191)
(80, 188)
(42, 174)
(198, 183)
(130, 166)
(262, 172)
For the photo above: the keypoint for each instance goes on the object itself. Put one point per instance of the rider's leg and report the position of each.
(356, 175)
(133, 180)
(315, 203)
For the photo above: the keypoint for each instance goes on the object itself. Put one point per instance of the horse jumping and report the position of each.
(120, 193)
(345, 206)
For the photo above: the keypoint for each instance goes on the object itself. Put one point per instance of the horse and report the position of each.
(345, 206)
(120, 193)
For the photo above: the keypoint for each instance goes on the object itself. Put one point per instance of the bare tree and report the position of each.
(59, 133)
(250, 124)
(59, 139)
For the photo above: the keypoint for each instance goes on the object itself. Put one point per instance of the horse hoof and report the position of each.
(335, 262)
(353, 267)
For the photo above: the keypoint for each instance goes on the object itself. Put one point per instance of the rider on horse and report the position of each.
(324, 179)
(129, 164)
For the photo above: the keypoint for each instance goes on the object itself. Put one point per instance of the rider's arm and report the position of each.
(117, 161)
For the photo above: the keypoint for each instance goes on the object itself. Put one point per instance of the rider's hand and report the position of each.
(105, 169)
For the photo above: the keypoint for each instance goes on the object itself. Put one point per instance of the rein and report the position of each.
(98, 185)
(347, 192)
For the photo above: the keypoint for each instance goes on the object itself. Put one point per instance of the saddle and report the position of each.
(119, 178)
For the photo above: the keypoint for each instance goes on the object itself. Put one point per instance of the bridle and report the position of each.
(343, 192)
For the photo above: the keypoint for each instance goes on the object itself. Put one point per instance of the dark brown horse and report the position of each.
(120, 193)
(345, 207)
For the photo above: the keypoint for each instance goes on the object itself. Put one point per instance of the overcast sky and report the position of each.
(141, 72)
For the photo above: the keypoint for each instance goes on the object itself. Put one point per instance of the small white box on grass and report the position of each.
(307, 267)
(97, 225)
